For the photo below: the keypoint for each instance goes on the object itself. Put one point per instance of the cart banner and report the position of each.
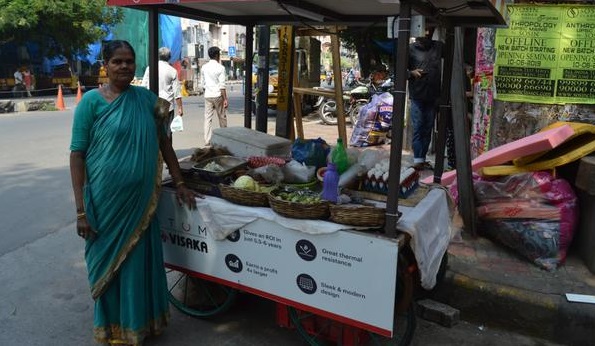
(346, 275)
(547, 55)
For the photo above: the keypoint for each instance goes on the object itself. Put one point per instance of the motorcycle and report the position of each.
(353, 100)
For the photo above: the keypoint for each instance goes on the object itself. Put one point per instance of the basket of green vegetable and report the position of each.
(246, 191)
(298, 204)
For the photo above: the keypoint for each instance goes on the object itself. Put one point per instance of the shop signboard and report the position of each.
(547, 55)
(345, 275)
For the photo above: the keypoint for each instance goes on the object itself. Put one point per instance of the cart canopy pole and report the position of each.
(462, 143)
(262, 96)
(153, 47)
(445, 111)
(248, 61)
(396, 145)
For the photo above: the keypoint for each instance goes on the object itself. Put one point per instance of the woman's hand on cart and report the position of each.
(184, 195)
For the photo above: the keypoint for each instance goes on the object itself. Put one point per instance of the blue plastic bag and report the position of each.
(312, 152)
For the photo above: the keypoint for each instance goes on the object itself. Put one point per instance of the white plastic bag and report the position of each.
(295, 172)
(177, 124)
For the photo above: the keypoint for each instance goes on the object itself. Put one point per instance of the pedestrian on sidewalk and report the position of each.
(114, 162)
(425, 76)
(27, 80)
(169, 86)
(212, 76)
(19, 86)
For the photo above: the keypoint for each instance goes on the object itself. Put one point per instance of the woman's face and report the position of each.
(121, 67)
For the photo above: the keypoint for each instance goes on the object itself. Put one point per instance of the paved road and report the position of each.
(45, 298)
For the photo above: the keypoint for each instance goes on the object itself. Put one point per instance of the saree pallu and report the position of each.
(123, 176)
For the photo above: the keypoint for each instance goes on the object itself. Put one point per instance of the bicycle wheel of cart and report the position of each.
(197, 297)
(405, 321)
(403, 330)
(320, 331)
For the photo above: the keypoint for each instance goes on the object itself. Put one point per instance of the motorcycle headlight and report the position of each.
(271, 88)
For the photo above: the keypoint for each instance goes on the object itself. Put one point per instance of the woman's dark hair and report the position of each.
(110, 47)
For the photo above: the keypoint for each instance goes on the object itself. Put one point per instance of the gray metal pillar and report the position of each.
(264, 39)
(153, 47)
(248, 61)
(399, 96)
(462, 134)
(445, 111)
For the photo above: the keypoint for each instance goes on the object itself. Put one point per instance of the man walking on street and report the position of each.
(425, 75)
(169, 86)
(212, 76)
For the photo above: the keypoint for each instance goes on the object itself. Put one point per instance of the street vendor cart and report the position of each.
(314, 269)
(349, 277)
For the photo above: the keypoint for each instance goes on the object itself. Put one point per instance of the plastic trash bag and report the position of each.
(373, 122)
(177, 124)
(534, 214)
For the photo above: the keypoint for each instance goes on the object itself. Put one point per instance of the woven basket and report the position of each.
(244, 197)
(295, 210)
(357, 215)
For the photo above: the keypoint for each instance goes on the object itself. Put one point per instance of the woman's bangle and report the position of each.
(180, 183)
(81, 215)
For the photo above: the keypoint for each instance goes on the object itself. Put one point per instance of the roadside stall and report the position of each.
(342, 275)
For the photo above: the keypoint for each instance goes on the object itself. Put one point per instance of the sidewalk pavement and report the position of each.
(493, 286)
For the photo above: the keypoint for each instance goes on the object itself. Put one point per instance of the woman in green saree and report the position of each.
(117, 150)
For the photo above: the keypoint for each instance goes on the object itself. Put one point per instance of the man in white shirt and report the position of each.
(213, 81)
(18, 84)
(169, 86)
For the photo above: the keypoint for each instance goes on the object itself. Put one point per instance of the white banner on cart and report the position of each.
(349, 275)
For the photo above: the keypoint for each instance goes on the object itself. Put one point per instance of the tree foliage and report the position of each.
(59, 27)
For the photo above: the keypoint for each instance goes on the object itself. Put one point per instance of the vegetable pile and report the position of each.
(300, 196)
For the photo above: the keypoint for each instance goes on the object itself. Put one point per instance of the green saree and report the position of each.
(123, 177)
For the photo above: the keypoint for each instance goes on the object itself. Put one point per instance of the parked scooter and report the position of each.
(353, 100)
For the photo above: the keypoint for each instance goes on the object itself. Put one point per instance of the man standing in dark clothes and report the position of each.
(425, 76)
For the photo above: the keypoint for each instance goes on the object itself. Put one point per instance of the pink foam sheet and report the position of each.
(533, 144)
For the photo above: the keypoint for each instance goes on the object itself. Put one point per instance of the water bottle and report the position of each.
(339, 157)
(330, 183)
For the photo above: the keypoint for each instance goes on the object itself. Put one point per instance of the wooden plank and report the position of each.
(297, 127)
(313, 91)
(285, 81)
(338, 85)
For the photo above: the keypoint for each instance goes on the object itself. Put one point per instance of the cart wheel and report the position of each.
(316, 330)
(405, 321)
(197, 297)
(404, 328)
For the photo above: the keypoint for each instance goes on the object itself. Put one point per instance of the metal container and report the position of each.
(227, 164)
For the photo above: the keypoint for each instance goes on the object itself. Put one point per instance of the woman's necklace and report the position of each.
(108, 93)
